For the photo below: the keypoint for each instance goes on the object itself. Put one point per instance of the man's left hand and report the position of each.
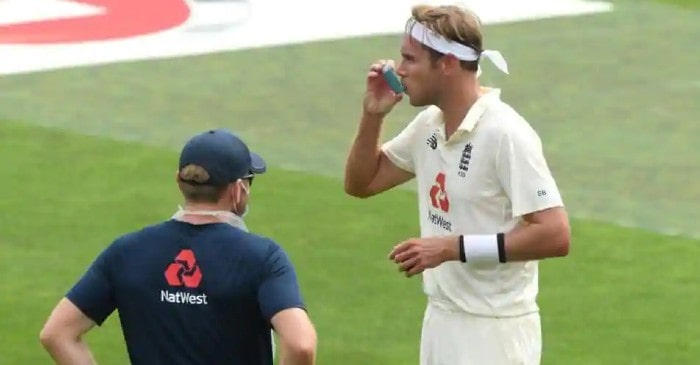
(417, 254)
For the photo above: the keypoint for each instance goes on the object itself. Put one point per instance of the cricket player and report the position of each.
(489, 206)
(197, 288)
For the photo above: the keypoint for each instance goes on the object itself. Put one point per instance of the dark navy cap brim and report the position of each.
(257, 165)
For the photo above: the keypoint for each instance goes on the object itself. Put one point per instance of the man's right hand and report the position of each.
(379, 98)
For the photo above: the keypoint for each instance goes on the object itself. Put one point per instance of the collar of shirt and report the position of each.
(474, 113)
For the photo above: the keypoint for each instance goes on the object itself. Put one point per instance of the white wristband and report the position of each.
(482, 248)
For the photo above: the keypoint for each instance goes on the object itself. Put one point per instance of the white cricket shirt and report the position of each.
(489, 173)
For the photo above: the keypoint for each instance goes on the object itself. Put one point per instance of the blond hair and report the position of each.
(455, 23)
(192, 180)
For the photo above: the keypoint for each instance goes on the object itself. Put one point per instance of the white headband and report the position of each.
(439, 43)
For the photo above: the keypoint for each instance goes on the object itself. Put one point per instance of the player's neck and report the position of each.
(456, 102)
(202, 207)
(190, 206)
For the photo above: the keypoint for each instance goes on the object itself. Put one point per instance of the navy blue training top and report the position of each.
(191, 294)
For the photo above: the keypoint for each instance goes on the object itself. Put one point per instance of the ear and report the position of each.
(233, 191)
(237, 189)
(450, 64)
(177, 175)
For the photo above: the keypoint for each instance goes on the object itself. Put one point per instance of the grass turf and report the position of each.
(689, 4)
(622, 297)
(610, 94)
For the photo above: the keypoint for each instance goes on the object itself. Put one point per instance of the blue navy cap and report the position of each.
(224, 156)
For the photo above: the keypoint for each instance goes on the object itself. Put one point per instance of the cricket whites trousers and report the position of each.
(452, 337)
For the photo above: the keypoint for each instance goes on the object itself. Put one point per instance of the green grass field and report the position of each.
(90, 154)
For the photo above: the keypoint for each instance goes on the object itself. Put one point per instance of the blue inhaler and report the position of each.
(392, 79)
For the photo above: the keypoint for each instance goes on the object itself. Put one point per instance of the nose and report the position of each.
(401, 71)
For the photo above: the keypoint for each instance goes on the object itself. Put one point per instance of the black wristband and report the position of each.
(501, 241)
(462, 253)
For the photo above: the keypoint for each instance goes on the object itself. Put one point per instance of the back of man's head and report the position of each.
(193, 183)
(213, 160)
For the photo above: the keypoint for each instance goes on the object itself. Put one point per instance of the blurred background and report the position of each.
(97, 96)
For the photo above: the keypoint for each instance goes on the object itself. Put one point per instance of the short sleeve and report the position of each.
(400, 149)
(524, 174)
(279, 288)
(93, 294)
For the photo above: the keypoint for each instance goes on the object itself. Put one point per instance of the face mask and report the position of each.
(222, 215)
(247, 206)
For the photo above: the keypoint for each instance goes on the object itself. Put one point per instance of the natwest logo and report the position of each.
(439, 200)
(184, 271)
(182, 298)
(438, 194)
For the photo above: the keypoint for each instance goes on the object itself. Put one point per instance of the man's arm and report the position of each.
(297, 337)
(89, 302)
(62, 335)
(543, 230)
(281, 303)
(369, 170)
(542, 234)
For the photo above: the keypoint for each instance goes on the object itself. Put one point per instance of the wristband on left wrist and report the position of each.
(482, 248)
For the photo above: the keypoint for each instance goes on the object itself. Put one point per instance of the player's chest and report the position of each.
(463, 167)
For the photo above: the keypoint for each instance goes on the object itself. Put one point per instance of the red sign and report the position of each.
(184, 271)
(438, 194)
(119, 19)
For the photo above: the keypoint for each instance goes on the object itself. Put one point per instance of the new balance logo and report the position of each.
(184, 271)
(432, 141)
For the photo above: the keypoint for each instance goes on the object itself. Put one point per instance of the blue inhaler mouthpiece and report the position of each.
(392, 79)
